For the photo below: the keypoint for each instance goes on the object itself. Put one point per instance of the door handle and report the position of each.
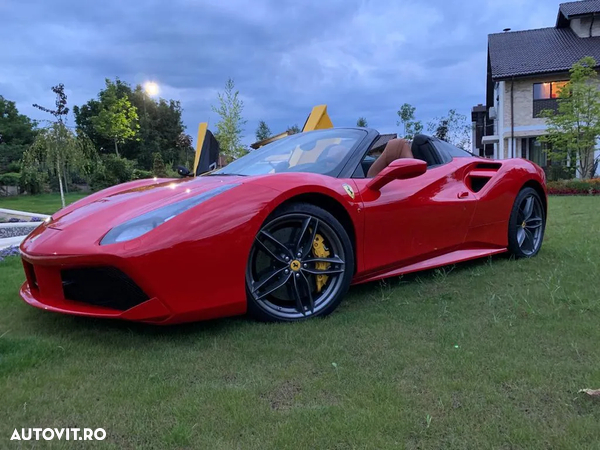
(464, 194)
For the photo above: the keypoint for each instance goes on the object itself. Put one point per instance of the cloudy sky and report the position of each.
(360, 57)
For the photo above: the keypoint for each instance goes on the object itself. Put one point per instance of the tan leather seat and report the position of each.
(395, 149)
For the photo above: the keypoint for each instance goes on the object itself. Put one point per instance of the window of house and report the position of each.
(541, 91)
(557, 86)
(538, 152)
(545, 91)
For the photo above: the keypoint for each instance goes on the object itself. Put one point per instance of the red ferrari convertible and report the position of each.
(282, 232)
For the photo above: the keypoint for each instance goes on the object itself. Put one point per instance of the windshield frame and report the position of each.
(356, 149)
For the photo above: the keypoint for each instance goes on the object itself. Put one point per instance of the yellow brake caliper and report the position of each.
(319, 251)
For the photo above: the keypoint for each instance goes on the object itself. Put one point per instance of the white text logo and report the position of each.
(68, 434)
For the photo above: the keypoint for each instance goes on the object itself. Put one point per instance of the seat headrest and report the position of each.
(422, 149)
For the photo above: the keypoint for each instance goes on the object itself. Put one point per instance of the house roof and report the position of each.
(579, 8)
(545, 50)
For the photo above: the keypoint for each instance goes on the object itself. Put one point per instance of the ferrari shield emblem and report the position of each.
(349, 190)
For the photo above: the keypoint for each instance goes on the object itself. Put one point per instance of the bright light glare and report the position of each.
(151, 88)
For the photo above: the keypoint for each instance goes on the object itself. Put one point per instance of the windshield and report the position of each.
(322, 151)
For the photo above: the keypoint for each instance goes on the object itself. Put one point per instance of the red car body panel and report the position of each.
(193, 267)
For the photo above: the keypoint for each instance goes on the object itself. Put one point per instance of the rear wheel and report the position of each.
(300, 265)
(527, 224)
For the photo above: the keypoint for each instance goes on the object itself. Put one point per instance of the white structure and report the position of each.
(11, 229)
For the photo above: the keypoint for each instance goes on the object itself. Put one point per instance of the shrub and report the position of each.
(111, 170)
(32, 180)
(574, 187)
(14, 167)
(118, 167)
(158, 166)
(557, 172)
(172, 173)
(139, 174)
(10, 179)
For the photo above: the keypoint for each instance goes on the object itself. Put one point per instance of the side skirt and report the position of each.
(439, 261)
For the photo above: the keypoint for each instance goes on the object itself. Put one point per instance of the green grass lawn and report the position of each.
(42, 204)
(488, 354)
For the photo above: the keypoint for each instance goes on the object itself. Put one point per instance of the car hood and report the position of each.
(106, 211)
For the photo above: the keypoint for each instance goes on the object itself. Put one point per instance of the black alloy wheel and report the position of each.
(300, 265)
(527, 224)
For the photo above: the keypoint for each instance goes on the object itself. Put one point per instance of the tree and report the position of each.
(362, 122)
(158, 166)
(453, 129)
(230, 126)
(86, 114)
(57, 149)
(411, 126)
(17, 132)
(262, 132)
(184, 144)
(160, 127)
(118, 118)
(61, 111)
(294, 129)
(574, 129)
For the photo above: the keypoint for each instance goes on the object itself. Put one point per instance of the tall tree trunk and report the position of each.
(60, 184)
(116, 147)
(66, 180)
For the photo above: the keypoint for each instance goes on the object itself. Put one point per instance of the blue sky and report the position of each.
(360, 57)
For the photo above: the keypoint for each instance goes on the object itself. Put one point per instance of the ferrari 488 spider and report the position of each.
(282, 232)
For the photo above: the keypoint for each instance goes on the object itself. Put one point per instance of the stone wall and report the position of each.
(9, 190)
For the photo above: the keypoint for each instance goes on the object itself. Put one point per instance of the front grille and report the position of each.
(102, 286)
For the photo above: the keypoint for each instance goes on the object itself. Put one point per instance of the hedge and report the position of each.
(574, 187)
(10, 179)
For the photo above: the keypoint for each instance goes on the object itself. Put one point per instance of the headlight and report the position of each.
(147, 222)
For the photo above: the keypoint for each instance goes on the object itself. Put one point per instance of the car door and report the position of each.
(412, 220)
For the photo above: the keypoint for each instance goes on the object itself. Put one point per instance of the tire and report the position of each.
(290, 276)
(527, 224)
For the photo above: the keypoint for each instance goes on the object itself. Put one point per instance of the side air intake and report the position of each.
(488, 166)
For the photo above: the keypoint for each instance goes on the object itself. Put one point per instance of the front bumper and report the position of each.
(151, 311)
(46, 288)
(177, 289)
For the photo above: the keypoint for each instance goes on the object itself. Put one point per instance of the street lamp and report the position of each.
(151, 88)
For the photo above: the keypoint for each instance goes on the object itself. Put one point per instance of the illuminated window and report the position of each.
(557, 86)
(545, 91)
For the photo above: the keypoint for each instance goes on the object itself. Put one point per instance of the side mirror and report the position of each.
(183, 171)
(400, 169)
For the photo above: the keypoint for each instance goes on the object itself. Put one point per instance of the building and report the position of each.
(525, 70)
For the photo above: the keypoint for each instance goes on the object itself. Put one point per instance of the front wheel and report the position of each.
(527, 224)
(300, 265)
